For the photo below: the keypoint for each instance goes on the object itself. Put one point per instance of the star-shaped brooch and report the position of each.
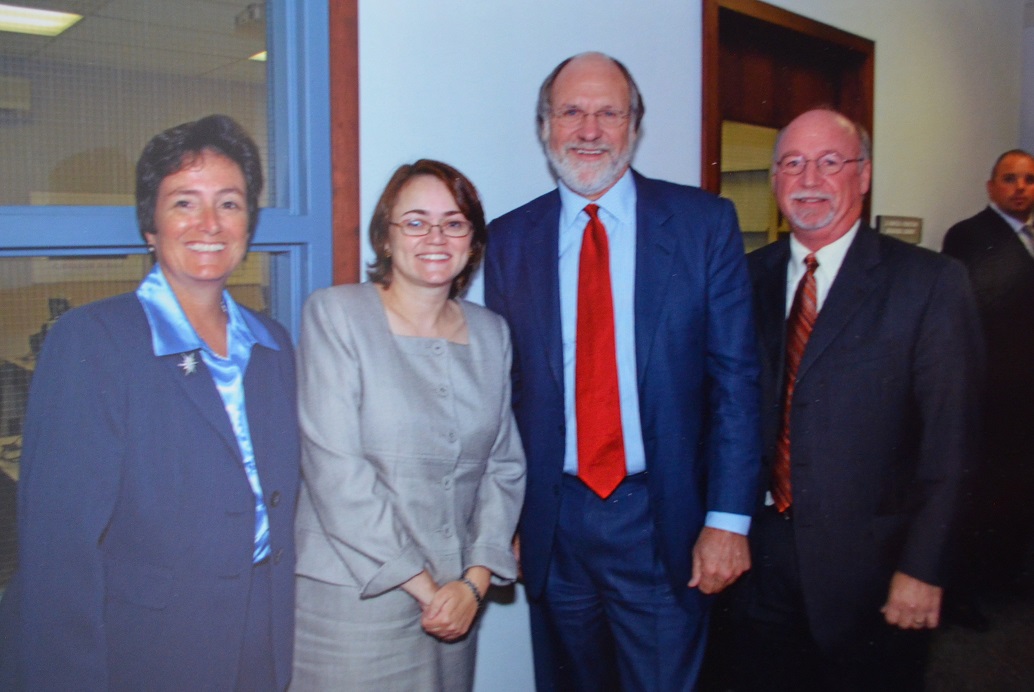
(189, 363)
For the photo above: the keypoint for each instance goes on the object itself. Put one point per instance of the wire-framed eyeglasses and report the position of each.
(415, 226)
(826, 165)
(572, 116)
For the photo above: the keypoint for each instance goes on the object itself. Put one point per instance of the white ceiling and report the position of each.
(182, 37)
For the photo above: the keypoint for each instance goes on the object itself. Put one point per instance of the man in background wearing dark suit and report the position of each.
(870, 361)
(996, 246)
(635, 391)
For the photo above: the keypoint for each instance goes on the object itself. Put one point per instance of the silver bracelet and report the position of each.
(473, 589)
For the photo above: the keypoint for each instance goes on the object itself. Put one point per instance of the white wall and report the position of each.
(457, 80)
(948, 82)
(465, 93)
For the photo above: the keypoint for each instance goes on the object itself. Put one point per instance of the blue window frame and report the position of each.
(297, 231)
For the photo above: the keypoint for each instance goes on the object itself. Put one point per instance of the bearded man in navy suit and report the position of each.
(618, 574)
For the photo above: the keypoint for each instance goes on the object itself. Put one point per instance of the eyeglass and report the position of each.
(572, 116)
(827, 164)
(452, 228)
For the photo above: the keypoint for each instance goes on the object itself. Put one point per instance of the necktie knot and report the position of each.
(811, 263)
(591, 210)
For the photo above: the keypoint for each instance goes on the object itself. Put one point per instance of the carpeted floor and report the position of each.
(961, 660)
(999, 660)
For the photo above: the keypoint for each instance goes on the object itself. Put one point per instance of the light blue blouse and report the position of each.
(172, 333)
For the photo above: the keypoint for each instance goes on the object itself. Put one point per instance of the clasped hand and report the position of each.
(448, 610)
(451, 612)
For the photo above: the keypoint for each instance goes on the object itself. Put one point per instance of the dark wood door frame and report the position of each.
(822, 53)
(344, 138)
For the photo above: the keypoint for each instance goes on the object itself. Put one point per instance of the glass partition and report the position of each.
(77, 108)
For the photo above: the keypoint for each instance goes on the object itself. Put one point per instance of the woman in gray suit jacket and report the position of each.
(413, 472)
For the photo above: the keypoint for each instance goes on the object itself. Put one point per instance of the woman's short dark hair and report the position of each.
(172, 150)
(467, 200)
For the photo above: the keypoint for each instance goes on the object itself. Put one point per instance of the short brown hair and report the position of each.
(467, 199)
(172, 150)
(1003, 155)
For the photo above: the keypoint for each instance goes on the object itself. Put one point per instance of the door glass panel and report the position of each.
(76, 109)
(746, 161)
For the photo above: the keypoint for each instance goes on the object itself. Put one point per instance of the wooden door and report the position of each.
(763, 66)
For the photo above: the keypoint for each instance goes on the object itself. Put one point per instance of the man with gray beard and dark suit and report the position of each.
(870, 367)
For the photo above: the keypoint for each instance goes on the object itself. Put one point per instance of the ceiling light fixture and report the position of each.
(27, 20)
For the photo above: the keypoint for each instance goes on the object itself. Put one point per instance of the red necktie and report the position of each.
(601, 446)
(798, 328)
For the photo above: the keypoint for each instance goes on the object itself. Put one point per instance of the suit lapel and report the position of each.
(853, 285)
(200, 390)
(540, 254)
(656, 242)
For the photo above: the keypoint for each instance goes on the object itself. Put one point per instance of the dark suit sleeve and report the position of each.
(734, 433)
(67, 490)
(947, 369)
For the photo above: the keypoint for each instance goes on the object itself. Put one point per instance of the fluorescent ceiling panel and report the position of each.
(27, 20)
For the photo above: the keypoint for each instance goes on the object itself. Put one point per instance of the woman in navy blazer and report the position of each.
(160, 466)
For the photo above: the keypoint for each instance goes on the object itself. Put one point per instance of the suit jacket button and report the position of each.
(274, 499)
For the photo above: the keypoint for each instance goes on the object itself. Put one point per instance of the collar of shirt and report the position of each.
(618, 204)
(1014, 224)
(1017, 227)
(172, 333)
(830, 258)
